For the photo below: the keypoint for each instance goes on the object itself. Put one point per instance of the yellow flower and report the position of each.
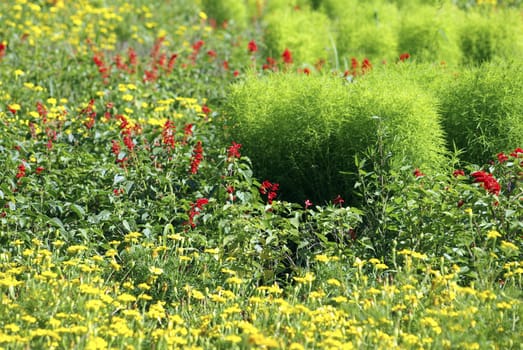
(156, 270)
(308, 278)
(508, 246)
(233, 338)
(14, 106)
(74, 249)
(202, 15)
(493, 234)
(333, 282)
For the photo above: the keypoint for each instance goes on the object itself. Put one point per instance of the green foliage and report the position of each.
(443, 215)
(304, 32)
(482, 110)
(230, 11)
(367, 30)
(301, 131)
(488, 35)
(428, 33)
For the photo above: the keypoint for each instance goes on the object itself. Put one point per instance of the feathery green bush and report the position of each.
(429, 33)
(367, 30)
(485, 35)
(226, 11)
(304, 32)
(482, 110)
(303, 131)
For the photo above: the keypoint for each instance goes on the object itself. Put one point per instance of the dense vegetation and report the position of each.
(261, 174)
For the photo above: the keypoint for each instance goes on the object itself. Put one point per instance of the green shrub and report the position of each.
(488, 35)
(301, 131)
(304, 32)
(429, 33)
(482, 110)
(226, 11)
(367, 30)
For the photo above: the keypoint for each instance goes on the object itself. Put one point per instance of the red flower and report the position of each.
(236, 73)
(198, 45)
(21, 171)
(418, 173)
(212, 53)
(115, 147)
(39, 170)
(225, 65)
(458, 172)
(287, 56)
(404, 57)
(270, 190)
(308, 204)
(168, 133)
(307, 71)
(206, 110)
(366, 65)
(128, 141)
(517, 152)
(195, 209)
(338, 201)
(197, 157)
(234, 150)
(488, 182)
(502, 157)
(252, 47)
(2, 49)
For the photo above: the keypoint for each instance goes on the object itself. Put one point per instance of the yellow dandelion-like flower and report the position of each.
(126, 298)
(233, 338)
(75, 249)
(333, 282)
(156, 270)
(508, 246)
(322, 258)
(493, 234)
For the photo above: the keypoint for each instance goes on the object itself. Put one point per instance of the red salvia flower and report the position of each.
(234, 150)
(287, 56)
(487, 180)
(365, 65)
(39, 170)
(21, 171)
(198, 45)
(168, 132)
(115, 147)
(338, 200)
(418, 173)
(502, 157)
(128, 141)
(518, 152)
(404, 56)
(197, 157)
(196, 209)
(270, 190)
(252, 47)
(458, 172)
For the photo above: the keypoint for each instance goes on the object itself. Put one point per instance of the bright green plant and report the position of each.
(367, 30)
(487, 35)
(482, 110)
(428, 33)
(321, 123)
(222, 11)
(304, 32)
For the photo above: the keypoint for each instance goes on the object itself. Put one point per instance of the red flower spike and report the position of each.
(458, 172)
(197, 157)
(518, 152)
(502, 157)
(338, 201)
(252, 47)
(404, 57)
(234, 151)
(488, 182)
(418, 173)
(287, 56)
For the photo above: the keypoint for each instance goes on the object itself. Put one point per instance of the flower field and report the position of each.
(261, 174)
